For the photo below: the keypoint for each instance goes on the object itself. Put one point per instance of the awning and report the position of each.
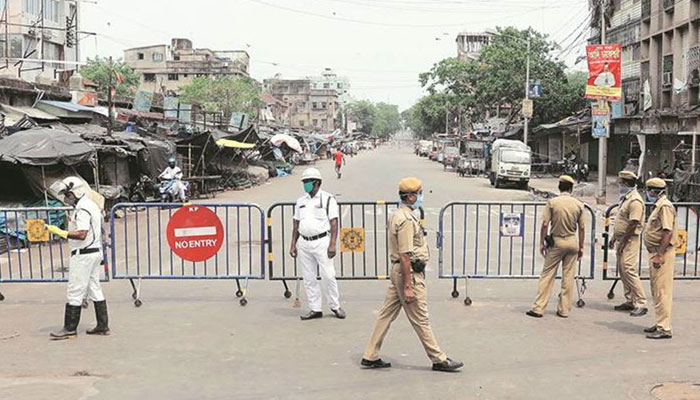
(31, 112)
(234, 144)
(43, 146)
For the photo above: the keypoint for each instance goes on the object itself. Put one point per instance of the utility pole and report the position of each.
(527, 88)
(447, 114)
(603, 141)
(109, 99)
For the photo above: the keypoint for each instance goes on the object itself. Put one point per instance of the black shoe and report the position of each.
(638, 312)
(626, 306)
(650, 329)
(102, 327)
(378, 363)
(560, 315)
(533, 314)
(339, 313)
(448, 365)
(71, 320)
(311, 315)
(659, 334)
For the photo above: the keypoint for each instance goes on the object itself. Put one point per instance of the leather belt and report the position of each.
(312, 238)
(84, 251)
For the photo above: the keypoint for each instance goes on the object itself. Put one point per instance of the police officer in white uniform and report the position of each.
(314, 244)
(174, 173)
(84, 236)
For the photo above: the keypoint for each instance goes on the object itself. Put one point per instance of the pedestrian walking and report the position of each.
(626, 237)
(409, 256)
(339, 158)
(314, 237)
(563, 218)
(84, 236)
(659, 240)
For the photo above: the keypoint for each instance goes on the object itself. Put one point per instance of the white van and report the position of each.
(510, 163)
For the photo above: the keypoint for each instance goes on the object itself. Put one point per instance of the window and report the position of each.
(315, 122)
(140, 56)
(302, 104)
(149, 77)
(173, 77)
(176, 57)
(340, 85)
(302, 123)
(157, 57)
(324, 123)
(326, 85)
(323, 105)
(15, 46)
(314, 105)
(185, 75)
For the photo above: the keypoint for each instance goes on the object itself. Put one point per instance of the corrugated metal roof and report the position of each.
(68, 106)
(29, 111)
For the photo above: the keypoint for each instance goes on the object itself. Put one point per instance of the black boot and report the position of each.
(102, 327)
(70, 324)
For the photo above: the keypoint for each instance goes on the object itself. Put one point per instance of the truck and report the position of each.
(510, 163)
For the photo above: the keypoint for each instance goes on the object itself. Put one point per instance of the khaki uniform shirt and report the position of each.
(565, 214)
(406, 236)
(662, 218)
(631, 209)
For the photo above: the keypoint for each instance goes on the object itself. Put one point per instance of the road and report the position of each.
(191, 339)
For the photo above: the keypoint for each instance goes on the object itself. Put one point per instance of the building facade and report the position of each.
(41, 30)
(469, 44)
(309, 108)
(660, 79)
(329, 80)
(165, 69)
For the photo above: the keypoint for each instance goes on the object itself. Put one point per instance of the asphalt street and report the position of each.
(192, 340)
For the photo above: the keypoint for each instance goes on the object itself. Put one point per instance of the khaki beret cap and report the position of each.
(656, 183)
(410, 185)
(627, 175)
(567, 178)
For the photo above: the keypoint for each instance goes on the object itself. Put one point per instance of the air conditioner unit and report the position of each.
(667, 79)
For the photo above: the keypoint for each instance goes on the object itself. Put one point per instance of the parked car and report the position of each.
(449, 157)
(433, 155)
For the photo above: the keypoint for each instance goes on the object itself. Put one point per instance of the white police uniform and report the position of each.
(314, 215)
(86, 255)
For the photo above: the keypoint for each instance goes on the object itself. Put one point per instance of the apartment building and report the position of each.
(309, 108)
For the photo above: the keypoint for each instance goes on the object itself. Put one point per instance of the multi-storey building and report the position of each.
(309, 108)
(167, 68)
(41, 30)
(329, 80)
(660, 78)
(469, 44)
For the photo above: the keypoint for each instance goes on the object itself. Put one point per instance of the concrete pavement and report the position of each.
(191, 339)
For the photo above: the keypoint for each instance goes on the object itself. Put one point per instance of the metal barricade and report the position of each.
(24, 261)
(365, 262)
(500, 240)
(687, 222)
(140, 248)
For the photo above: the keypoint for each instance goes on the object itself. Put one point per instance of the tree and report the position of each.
(97, 70)
(427, 116)
(224, 94)
(387, 119)
(363, 113)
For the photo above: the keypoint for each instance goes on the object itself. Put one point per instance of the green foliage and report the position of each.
(475, 88)
(97, 70)
(380, 119)
(224, 94)
(427, 116)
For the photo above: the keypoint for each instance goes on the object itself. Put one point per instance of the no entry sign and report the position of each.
(195, 233)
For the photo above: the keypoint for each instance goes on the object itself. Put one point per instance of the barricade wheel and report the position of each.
(243, 302)
(611, 295)
(239, 293)
(580, 303)
(85, 304)
(468, 301)
(133, 295)
(2, 297)
(455, 294)
(137, 303)
(287, 294)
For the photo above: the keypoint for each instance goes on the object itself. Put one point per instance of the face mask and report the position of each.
(624, 190)
(419, 202)
(652, 198)
(308, 187)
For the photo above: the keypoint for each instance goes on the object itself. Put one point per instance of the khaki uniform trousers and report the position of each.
(417, 313)
(627, 265)
(564, 251)
(662, 289)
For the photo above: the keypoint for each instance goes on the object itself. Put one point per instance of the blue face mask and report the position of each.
(652, 198)
(624, 190)
(308, 187)
(419, 202)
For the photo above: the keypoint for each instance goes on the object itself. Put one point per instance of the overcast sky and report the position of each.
(380, 45)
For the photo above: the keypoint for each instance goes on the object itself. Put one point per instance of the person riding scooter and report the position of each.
(172, 182)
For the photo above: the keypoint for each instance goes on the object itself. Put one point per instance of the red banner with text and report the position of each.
(604, 72)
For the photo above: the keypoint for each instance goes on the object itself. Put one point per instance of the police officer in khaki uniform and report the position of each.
(564, 214)
(626, 237)
(659, 239)
(409, 255)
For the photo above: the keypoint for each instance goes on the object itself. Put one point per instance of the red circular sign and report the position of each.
(195, 233)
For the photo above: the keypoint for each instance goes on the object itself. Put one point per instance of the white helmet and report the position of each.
(75, 185)
(311, 173)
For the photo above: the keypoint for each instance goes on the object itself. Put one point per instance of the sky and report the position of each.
(380, 45)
